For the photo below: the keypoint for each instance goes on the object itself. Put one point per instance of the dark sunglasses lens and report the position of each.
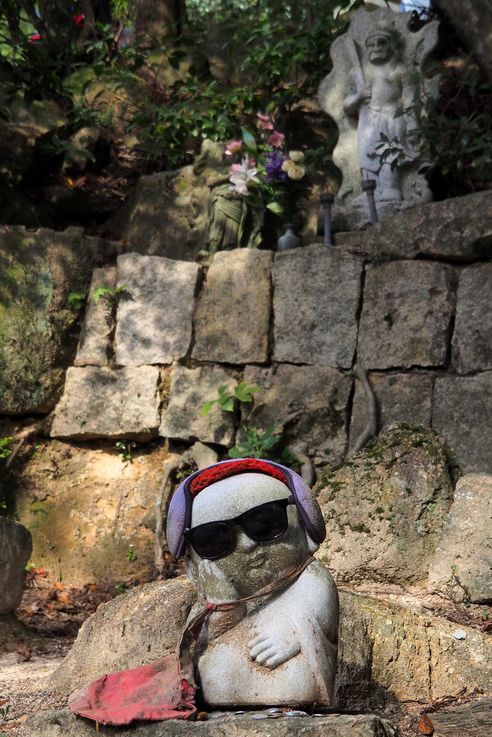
(212, 540)
(266, 522)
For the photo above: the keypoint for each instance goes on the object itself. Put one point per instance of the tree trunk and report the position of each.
(472, 21)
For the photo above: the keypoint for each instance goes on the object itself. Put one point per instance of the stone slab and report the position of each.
(462, 414)
(448, 230)
(63, 724)
(232, 319)
(154, 316)
(472, 338)
(15, 551)
(462, 565)
(190, 390)
(468, 720)
(385, 508)
(307, 403)
(399, 397)
(106, 403)
(38, 270)
(93, 348)
(315, 305)
(406, 316)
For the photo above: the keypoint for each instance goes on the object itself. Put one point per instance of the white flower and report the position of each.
(242, 175)
(296, 156)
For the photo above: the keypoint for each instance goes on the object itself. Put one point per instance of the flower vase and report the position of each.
(289, 239)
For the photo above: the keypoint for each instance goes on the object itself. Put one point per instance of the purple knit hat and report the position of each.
(179, 513)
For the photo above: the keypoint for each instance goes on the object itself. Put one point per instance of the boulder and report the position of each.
(315, 305)
(308, 404)
(462, 565)
(461, 413)
(232, 319)
(15, 551)
(472, 338)
(108, 403)
(94, 341)
(155, 308)
(38, 271)
(190, 390)
(385, 509)
(448, 230)
(406, 316)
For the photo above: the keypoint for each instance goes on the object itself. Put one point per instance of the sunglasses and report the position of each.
(262, 524)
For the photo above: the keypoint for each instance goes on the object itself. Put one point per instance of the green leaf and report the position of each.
(275, 207)
(243, 392)
(226, 403)
(248, 140)
(206, 408)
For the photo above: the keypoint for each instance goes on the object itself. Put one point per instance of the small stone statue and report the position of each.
(372, 93)
(249, 528)
(232, 223)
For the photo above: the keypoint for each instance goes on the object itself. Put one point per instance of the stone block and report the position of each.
(385, 508)
(232, 319)
(190, 390)
(462, 414)
(472, 339)
(315, 304)
(462, 566)
(448, 230)
(37, 273)
(106, 403)
(98, 322)
(399, 398)
(406, 316)
(308, 404)
(15, 551)
(154, 313)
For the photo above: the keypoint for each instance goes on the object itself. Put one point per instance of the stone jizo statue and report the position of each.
(378, 80)
(249, 529)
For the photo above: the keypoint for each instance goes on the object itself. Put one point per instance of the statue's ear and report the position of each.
(312, 546)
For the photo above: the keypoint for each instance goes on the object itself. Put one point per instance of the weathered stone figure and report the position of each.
(377, 81)
(250, 538)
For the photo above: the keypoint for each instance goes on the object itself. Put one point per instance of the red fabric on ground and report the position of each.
(154, 691)
(227, 469)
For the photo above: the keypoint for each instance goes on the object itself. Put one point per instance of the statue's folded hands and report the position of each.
(275, 648)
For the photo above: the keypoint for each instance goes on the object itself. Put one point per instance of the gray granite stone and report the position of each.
(154, 317)
(399, 397)
(106, 403)
(448, 230)
(190, 390)
(307, 403)
(98, 322)
(15, 551)
(462, 565)
(232, 319)
(407, 313)
(461, 412)
(472, 339)
(315, 303)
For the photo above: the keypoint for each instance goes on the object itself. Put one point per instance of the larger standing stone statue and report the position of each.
(377, 82)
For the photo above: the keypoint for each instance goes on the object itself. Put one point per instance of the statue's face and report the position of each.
(379, 49)
(251, 565)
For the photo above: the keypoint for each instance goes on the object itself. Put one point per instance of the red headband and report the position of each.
(232, 468)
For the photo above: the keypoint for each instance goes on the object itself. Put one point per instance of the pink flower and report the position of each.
(242, 175)
(276, 139)
(265, 122)
(233, 147)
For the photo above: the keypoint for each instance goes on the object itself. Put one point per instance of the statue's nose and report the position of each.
(244, 543)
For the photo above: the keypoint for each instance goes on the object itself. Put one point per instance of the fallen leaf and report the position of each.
(425, 725)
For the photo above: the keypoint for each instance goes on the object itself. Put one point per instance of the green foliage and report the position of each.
(120, 588)
(5, 449)
(131, 555)
(110, 294)
(76, 300)
(228, 400)
(125, 448)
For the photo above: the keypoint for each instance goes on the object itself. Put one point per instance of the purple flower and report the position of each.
(273, 166)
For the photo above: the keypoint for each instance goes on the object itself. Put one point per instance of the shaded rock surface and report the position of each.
(315, 303)
(155, 310)
(108, 403)
(58, 723)
(307, 403)
(38, 271)
(471, 720)
(232, 318)
(385, 508)
(461, 413)
(15, 551)
(190, 390)
(462, 566)
(98, 321)
(406, 316)
(472, 337)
